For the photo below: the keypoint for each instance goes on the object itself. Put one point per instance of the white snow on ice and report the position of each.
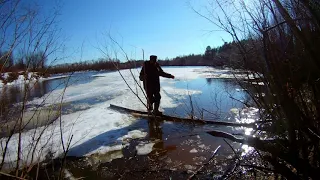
(134, 134)
(193, 150)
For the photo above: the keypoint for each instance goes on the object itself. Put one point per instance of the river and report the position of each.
(177, 146)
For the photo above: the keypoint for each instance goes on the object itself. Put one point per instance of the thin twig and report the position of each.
(9, 175)
(205, 164)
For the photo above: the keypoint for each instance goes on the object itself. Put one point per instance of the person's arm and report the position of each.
(164, 74)
(142, 74)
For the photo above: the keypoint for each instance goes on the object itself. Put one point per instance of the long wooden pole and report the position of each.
(178, 119)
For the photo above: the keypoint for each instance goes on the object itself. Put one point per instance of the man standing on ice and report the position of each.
(149, 74)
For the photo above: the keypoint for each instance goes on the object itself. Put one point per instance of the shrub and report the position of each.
(12, 76)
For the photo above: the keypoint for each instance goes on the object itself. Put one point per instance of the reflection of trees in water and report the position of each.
(8, 96)
(221, 95)
(39, 89)
(3, 102)
(227, 82)
(13, 94)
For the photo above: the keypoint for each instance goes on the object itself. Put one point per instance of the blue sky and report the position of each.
(167, 28)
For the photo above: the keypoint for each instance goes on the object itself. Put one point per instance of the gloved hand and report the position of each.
(141, 78)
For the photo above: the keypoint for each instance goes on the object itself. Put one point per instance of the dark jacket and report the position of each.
(150, 73)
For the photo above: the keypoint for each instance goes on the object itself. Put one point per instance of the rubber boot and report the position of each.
(156, 108)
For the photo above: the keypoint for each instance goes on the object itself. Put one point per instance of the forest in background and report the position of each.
(225, 55)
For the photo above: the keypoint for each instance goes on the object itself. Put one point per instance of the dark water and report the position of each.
(216, 99)
(13, 94)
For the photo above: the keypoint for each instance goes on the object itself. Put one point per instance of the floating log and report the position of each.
(178, 119)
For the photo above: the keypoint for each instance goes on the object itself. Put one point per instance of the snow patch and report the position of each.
(135, 134)
(105, 149)
(193, 150)
(53, 77)
(181, 92)
(144, 148)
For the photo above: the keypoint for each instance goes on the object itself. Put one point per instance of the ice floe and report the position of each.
(144, 148)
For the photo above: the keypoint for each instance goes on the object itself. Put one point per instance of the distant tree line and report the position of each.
(212, 57)
(225, 55)
(94, 65)
(33, 61)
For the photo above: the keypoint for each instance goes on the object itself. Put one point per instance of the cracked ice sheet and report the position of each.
(97, 129)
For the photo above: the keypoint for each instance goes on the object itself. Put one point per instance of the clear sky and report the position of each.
(166, 28)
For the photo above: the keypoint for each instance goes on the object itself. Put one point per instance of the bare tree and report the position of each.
(278, 41)
(25, 29)
(6, 59)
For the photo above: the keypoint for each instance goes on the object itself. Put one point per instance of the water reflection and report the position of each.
(17, 93)
(217, 97)
(10, 95)
(155, 134)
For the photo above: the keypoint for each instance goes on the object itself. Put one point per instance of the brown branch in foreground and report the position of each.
(238, 160)
(272, 147)
(11, 176)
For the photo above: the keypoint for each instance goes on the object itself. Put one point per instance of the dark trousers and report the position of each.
(153, 94)
(153, 97)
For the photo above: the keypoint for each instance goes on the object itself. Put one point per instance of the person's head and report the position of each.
(153, 59)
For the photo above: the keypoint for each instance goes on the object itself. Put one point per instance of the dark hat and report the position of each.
(153, 57)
